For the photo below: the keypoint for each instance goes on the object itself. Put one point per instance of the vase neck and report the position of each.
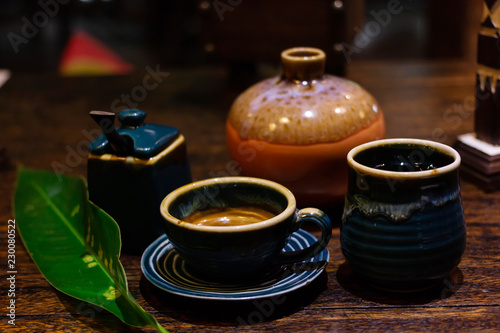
(303, 63)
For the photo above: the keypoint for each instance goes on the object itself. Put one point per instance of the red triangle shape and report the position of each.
(97, 58)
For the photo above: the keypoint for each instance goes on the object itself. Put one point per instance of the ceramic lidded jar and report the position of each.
(296, 129)
(131, 169)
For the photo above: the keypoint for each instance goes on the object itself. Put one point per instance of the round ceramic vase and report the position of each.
(296, 129)
(403, 227)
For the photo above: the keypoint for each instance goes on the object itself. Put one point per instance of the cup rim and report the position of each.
(289, 210)
(404, 174)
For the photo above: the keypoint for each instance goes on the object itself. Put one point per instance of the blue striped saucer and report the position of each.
(165, 269)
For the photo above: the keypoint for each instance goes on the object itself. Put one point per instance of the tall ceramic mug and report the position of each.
(403, 226)
(236, 227)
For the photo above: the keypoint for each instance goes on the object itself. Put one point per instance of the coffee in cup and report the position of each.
(237, 227)
(229, 216)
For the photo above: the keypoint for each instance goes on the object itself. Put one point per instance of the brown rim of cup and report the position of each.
(445, 149)
(290, 209)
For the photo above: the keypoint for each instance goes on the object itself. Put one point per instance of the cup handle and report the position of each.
(323, 222)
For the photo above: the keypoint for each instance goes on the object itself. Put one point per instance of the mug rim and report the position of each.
(169, 218)
(404, 174)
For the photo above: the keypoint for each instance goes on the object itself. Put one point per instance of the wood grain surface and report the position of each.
(44, 123)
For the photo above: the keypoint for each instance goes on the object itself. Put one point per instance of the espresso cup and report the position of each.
(403, 226)
(250, 247)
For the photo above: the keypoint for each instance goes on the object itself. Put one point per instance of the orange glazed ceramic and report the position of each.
(296, 129)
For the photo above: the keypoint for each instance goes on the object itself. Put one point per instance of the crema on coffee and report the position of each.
(229, 216)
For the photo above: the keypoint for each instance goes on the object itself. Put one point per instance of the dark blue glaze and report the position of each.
(131, 189)
(240, 254)
(403, 234)
(162, 266)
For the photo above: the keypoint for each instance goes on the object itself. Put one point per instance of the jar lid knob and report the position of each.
(303, 63)
(132, 117)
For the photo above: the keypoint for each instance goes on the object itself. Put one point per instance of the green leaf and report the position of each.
(74, 243)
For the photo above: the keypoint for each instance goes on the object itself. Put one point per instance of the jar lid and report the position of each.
(133, 137)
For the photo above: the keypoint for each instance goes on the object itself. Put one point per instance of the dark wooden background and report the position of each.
(42, 120)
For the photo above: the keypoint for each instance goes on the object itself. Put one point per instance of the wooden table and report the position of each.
(43, 119)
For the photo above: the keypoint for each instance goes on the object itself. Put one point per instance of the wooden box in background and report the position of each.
(247, 32)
